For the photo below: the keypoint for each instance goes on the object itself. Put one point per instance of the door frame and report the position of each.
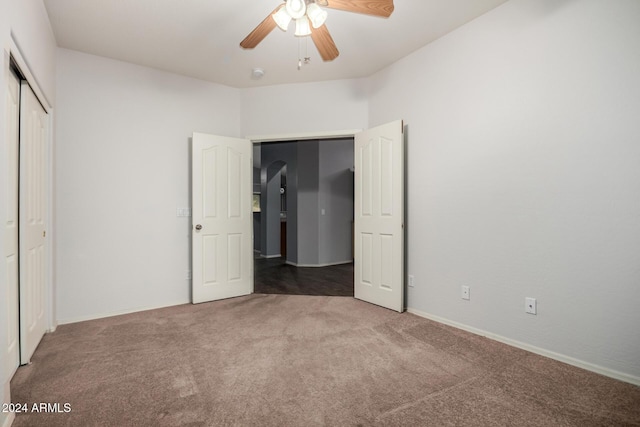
(346, 133)
(301, 136)
(12, 54)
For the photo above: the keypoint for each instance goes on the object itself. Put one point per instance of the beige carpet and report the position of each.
(278, 360)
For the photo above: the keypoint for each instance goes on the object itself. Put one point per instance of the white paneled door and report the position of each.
(12, 105)
(222, 228)
(379, 216)
(33, 206)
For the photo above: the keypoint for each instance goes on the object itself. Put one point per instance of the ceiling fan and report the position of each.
(309, 19)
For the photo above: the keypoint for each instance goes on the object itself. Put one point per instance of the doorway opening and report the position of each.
(303, 217)
(222, 232)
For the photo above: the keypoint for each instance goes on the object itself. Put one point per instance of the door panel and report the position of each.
(210, 272)
(12, 105)
(33, 154)
(234, 250)
(222, 217)
(234, 195)
(379, 216)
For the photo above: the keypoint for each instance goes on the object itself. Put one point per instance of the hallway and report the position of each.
(274, 276)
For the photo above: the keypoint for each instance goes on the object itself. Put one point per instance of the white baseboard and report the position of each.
(533, 349)
(118, 313)
(6, 418)
(320, 265)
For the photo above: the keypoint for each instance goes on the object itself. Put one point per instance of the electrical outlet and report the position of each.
(188, 274)
(530, 306)
(411, 280)
(466, 292)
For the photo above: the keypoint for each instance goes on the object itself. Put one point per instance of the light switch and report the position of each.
(183, 212)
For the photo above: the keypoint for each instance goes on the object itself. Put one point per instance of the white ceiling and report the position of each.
(200, 38)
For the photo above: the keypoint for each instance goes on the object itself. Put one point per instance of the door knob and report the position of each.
(198, 227)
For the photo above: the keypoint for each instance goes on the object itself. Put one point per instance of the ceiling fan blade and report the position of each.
(324, 42)
(260, 32)
(382, 8)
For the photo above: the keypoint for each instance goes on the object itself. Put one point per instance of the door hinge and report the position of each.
(44, 234)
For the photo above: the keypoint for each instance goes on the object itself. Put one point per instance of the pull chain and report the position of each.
(307, 58)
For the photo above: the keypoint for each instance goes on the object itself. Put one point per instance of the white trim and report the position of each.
(11, 373)
(270, 256)
(348, 133)
(320, 265)
(120, 312)
(50, 227)
(16, 54)
(7, 371)
(533, 349)
(10, 417)
(6, 418)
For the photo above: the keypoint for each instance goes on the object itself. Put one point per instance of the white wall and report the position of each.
(299, 108)
(123, 168)
(25, 22)
(33, 35)
(524, 176)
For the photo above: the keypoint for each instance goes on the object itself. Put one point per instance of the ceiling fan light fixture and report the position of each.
(282, 18)
(316, 15)
(302, 27)
(296, 8)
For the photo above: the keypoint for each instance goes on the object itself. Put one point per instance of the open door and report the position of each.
(222, 229)
(33, 206)
(379, 216)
